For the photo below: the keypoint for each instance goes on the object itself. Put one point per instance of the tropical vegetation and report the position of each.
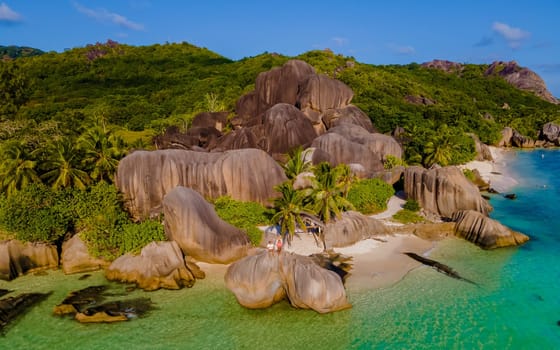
(66, 119)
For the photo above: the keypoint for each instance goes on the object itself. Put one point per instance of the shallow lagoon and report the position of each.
(515, 304)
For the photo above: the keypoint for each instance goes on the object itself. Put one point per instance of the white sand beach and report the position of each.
(380, 262)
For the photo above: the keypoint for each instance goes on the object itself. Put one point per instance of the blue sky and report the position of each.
(376, 32)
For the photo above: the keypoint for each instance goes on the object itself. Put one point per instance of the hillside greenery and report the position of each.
(66, 119)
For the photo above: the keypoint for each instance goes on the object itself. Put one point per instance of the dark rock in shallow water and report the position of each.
(13, 307)
(86, 307)
(510, 196)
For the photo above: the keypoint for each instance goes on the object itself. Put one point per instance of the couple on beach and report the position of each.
(274, 246)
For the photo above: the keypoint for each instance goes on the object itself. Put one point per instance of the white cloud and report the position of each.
(106, 16)
(8, 15)
(513, 36)
(402, 49)
(339, 41)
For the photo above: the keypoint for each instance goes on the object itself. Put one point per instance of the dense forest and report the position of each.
(67, 118)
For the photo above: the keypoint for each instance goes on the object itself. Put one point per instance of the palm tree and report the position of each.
(290, 209)
(62, 165)
(328, 192)
(17, 167)
(440, 148)
(297, 163)
(102, 152)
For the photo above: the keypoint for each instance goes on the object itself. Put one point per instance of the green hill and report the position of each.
(18, 51)
(147, 88)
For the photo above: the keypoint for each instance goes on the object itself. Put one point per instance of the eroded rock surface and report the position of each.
(352, 227)
(261, 280)
(75, 257)
(159, 265)
(443, 191)
(485, 232)
(193, 223)
(145, 177)
(17, 258)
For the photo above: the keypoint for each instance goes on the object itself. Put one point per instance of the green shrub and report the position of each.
(411, 205)
(469, 174)
(136, 236)
(406, 216)
(36, 214)
(244, 215)
(370, 195)
(391, 161)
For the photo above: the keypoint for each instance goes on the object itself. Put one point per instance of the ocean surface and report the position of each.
(515, 304)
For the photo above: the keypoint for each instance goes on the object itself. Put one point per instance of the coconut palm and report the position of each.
(62, 165)
(328, 193)
(17, 168)
(290, 209)
(440, 148)
(102, 152)
(297, 163)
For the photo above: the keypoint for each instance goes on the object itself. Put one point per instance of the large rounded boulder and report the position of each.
(261, 280)
(75, 257)
(484, 231)
(193, 223)
(347, 115)
(352, 227)
(145, 177)
(278, 85)
(159, 265)
(443, 191)
(18, 258)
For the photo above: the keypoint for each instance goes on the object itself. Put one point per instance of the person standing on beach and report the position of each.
(279, 245)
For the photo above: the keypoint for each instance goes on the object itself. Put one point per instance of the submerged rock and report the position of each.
(86, 306)
(13, 307)
(484, 231)
(261, 280)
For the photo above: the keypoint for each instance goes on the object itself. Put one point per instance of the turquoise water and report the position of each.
(515, 305)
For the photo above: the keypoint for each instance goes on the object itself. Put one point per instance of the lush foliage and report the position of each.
(39, 213)
(411, 205)
(244, 215)
(370, 195)
(406, 216)
(391, 161)
(18, 51)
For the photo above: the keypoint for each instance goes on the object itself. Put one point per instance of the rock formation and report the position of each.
(550, 133)
(261, 280)
(196, 138)
(75, 257)
(443, 191)
(87, 306)
(521, 141)
(444, 65)
(351, 228)
(482, 150)
(159, 265)
(194, 225)
(352, 144)
(485, 232)
(507, 134)
(144, 177)
(278, 85)
(350, 115)
(216, 120)
(13, 307)
(521, 78)
(17, 258)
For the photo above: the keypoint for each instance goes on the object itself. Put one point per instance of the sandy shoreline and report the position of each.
(380, 262)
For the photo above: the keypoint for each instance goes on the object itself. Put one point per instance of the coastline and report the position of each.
(379, 262)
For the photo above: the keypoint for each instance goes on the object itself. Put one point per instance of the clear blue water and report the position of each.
(516, 304)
